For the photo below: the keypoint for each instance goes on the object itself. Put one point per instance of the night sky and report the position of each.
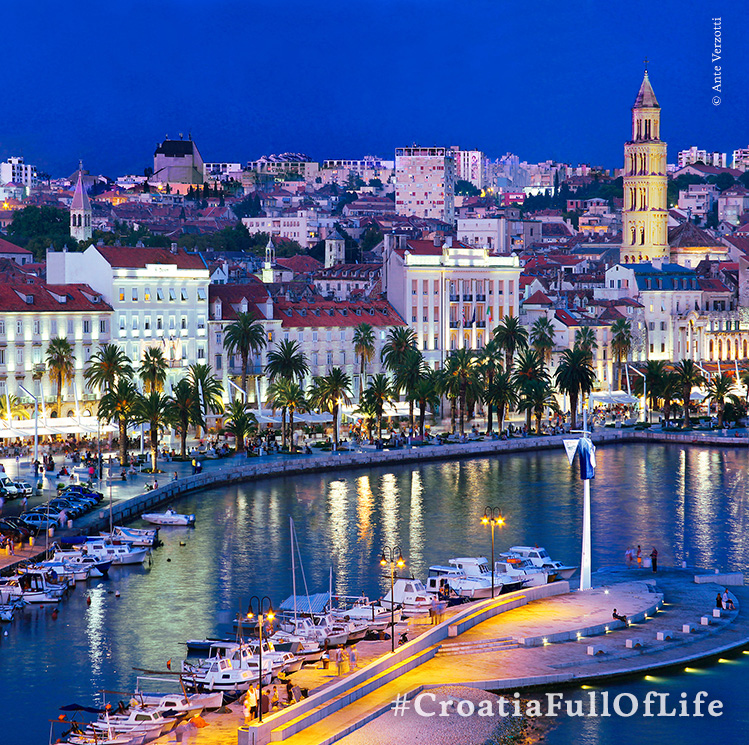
(105, 81)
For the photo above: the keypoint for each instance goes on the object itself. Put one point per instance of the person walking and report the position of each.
(639, 557)
(352, 657)
(339, 660)
(250, 705)
(654, 559)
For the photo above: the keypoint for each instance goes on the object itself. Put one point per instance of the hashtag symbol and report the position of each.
(400, 705)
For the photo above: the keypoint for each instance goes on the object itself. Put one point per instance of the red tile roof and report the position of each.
(537, 298)
(335, 314)
(6, 247)
(42, 297)
(301, 264)
(566, 318)
(128, 257)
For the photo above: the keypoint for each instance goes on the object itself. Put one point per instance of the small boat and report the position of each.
(95, 567)
(540, 558)
(477, 568)
(514, 567)
(361, 609)
(133, 536)
(230, 667)
(190, 706)
(202, 646)
(449, 582)
(103, 550)
(35, 586)
(6, 612)
(410, 594)
(170, 517)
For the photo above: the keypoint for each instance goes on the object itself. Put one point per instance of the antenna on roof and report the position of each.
(181, 136)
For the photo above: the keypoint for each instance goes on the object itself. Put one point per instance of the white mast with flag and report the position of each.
(587, 451)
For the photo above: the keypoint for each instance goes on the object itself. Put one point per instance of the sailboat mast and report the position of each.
(293, 565)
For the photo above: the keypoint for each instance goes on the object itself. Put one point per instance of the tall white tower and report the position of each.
(335, 249)
(270, 260)
(80, 211)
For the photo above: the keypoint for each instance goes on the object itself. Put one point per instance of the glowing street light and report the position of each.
(389, 557)
(260, 603)
(492, 516)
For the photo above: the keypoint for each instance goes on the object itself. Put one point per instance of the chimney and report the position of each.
(437, 241)
(173, 248)
(449, 241)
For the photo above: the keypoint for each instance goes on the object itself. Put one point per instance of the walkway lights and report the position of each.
(492, 516)
(388, 557)
(260, 603)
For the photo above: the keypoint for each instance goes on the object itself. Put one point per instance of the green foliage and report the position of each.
(35, 228)
(722, 180)
(466, 189)
(248, 207)
(370, 239)
(239, 422)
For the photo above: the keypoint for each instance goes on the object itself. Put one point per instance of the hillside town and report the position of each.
(448, 248)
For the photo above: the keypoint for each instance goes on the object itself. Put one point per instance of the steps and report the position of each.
(478, 647)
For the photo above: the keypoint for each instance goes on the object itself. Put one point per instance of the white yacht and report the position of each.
(540, 558)
(515, 567)
(230, 666)
(409, 594)
(478, 578)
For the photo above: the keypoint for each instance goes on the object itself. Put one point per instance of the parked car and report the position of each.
(11, 531)
(38, 522)
(24, 488)
(17, 523)
(7, 487)
(80, 489)
(73, 510)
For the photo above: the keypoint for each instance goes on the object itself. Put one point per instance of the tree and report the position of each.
(371, 238)
(153, 369)
(669, 389)
(329, 391)
(689, 376)
(364, 348)
(286, 361)
(406, 377)
(245, 336)
(118, 404)
(654, 374)
(542, 338)
(719, 390)
(17, 409)
(466, 188)
(106, 367)
(621, 344)
(425, 396)
(60, 363)
(501, 393)
(399, 340)
(575, 376)
(36, 228)
(184, 410)
(461, 366)
(152, 409)
(531, 381)
(240, 422)
(376, 397)
(208, 390)
(489, 364)
(585, 339)
(536, 398)
(289, 397)
(511, 337)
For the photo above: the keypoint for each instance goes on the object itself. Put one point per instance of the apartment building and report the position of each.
(425, 183)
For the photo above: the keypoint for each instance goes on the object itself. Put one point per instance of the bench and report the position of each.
(687, 628)
(717, 613)
(634, 643)
(705, 620)
(663, 636)
(595, 649)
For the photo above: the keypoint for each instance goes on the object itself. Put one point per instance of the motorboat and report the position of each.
(304, 626)
(362, 609)
(539, 557)
(133, 536)
(103, 550)
(308, 650)
(190, 706)
(170, 517)
(477, 567)
(284, 662)
(7, 611)
(35, 586)
(95, 567)
(449, 582)
(230, 666)
(513, 567)
(138, 720)
(410, 594)
(72, 572)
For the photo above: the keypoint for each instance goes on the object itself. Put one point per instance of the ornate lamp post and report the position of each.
(492, 516)
(266, 608)
(389, 557)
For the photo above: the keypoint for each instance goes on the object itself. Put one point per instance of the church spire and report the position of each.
(646, 96)
(80, 210)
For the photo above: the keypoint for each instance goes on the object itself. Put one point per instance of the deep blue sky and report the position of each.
(105, 81)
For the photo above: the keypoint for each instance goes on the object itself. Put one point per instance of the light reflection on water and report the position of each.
(688, 503)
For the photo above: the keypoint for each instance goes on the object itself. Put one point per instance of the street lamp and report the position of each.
(260, 603)
(389, 557)
(492, 516)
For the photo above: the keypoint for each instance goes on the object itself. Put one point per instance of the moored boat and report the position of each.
(170, 517)
(539, 557)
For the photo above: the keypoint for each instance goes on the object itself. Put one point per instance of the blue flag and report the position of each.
(587, 451)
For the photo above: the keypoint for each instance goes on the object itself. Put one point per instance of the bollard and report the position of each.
(51, 532)
(70, 524)
(31, 541)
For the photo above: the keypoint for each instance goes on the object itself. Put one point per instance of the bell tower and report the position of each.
(270, 260)
(80, 210)
(645, 214)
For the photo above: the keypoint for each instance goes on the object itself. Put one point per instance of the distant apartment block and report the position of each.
(177, 162)
(470, 165)
(286, 165)
(698, 199)
(222, 171)
(361, 166)
(695, 155)
(741, 159)
(303, 229)
(425, 183)
(14, 170)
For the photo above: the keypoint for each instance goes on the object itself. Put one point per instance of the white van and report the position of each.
(7, 487)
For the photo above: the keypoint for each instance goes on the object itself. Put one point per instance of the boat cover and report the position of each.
(307, 603)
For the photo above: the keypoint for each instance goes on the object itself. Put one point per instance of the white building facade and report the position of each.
(425, 182)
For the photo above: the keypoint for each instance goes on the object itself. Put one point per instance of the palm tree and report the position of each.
(245, 336)
(208, 390)
(107, 366)
(287, 361)
(119, 403)
(654, 374)
(575, 376)
(447, 386)
(17, 409)
(153, 369)
(240, 422)
(461, 366)
(289, 397)
(689, 376)
(718, 390)
(152, 409)
(329, 391)
(364, 348)
(585, 338)
(184, 410)
(501, 393)
(530, 378)
(542, 338)
(378, 394)
(489, 365)
(407, 375)
(425, 395)
(511, 337)
(538, 396)
(621, 344)
(60, 363)
(399, 342)
(668, 390)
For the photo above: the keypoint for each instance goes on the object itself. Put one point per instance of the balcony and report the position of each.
(480, 298)
(467, 298)
(454, 298)
(454, 324)
(480, 324)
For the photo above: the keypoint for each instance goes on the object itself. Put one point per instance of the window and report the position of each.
(201, 322)
(343, 334)
(201, 293)
(36, 355)
(103, 326)
(218, 338)
(86, 326)
(19, 328)
(135, 293)
(122, 294)
(651, 326)
(2, 356)
(159, 294)
(663, 347)
(663, 325)
(147, 323)
(314, 359)
(172, 323)
(183, 294)
(159, 323)
(2, 327)
(136, 323)
(122, 323)
(343, 358)
(172, 294)
(37, 327)
(270, 337)
(70, 326)
(147, 294)
(218, 362)
(328, 335)
(201, 353)
(314, 335)
(183, 323)
(19, 356)
(330, 358)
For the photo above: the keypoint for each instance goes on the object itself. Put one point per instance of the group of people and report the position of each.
(270, 699)
(724, 601)
(632, 556)
(336, 655)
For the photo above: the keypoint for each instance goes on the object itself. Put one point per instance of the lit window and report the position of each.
(147, 294)
(135, 294)
(122, 294)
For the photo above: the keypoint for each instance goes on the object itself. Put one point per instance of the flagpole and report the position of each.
(585, 559)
